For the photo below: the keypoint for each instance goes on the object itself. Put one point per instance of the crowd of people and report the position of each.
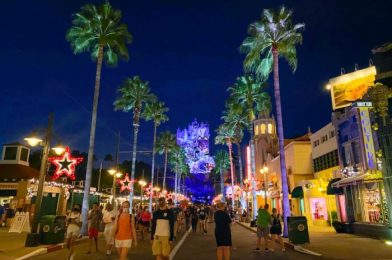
(121, 224)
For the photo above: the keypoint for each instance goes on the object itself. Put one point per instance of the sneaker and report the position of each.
(283, 250)
(266, 250)
(272, 250)
(108, 253)
(257, 249)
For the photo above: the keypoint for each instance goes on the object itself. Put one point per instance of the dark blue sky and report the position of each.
(187, 49)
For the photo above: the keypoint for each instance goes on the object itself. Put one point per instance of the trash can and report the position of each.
(298, 230)
(52, 229)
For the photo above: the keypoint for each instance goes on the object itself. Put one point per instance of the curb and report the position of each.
(286, 244)
(49, 249)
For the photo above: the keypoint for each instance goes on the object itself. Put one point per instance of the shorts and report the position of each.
(145, 223)
(72, 231)
(109, 233)
(161, 246)
(93, 232)
(263, 231)
(123, 243)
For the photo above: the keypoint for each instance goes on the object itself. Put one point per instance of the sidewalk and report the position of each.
(331, 245)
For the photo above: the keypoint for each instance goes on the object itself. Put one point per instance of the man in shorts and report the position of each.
(263, 227)
(162, 232)
(95, 216)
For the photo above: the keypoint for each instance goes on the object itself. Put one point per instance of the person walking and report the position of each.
(276, 230)
(95, 217)
(145, 219)
(162, 232)
(109, 216)
(222, 232)
(125, 234)
(203, 220)
(74, 222)
(194, 219)
(263, 227)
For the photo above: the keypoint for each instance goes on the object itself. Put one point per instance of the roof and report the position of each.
(17, 172)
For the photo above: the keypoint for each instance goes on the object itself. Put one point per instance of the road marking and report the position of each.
(179, 244)
(40, 251)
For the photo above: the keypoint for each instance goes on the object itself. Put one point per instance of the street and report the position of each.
(196, 246)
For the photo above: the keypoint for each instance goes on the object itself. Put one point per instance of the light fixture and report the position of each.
(111, 171)
(58, 149)
(142, 183)
(118, 174)
(265, 168)
(328, 87)
(33, 139)
(388, 242)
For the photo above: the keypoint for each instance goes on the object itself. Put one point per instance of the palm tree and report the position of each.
(272, 37)
(98, 30)
(225, 135)
(248, 93)
(236, 119)
(165, 143)
(222, 163)
(177, 162)
(134, 94)
(155, 111)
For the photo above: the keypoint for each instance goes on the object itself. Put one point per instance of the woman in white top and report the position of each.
(74, 222)
(109, 216)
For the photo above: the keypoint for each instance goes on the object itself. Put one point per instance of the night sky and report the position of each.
(187, 50)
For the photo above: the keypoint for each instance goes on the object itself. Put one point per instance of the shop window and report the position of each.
(372, 202)
(318, 208)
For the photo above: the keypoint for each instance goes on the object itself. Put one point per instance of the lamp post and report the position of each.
(264, 171)
(33, 238)
(115, 175)
(142, 183)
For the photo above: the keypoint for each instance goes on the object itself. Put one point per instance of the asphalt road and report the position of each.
(196, 246)
(200, 247)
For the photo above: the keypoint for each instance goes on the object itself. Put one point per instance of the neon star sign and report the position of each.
(126, 183)
(65, 164)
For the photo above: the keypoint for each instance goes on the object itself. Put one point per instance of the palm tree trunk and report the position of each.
(152, 166)
(253, 166)
(90, 158)
(232, 171)
(183, 184)
(135, 134)
(241, 172)
(175, 187)
(164, 172)
(286, 202)
(222, 185)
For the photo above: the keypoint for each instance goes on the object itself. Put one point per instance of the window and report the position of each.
(10, 153)
(324, 138)
(331, 134)
(270, 128)
(24, 154)
(326, 161)
(316, 143)
(262, 129)
(256, 129)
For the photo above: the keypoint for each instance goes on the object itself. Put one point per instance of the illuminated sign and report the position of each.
(363, 104)
(248, 167)
(351, 87)
(367, 138)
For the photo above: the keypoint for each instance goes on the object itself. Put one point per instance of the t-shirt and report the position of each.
(202, 214)
(108, 216)
(74, 218)
(95, 218)
(222, 222)
(263, 218)
(163, 223)
(145, 216)
(124, 228)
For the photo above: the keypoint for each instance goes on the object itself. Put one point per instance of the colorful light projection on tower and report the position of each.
(194, 140)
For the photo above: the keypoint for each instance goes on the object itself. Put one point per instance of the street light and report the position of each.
(142, 183)
(264, 171)
(33, 238)
(115, 175)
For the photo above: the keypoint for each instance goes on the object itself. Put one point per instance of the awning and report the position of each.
(297, 192)
(357, 179)
(332, 190)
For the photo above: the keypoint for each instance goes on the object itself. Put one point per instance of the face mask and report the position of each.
(125, 210)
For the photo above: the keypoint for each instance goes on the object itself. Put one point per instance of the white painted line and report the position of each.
(40, 251)
(306, 251)
(177, 247)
